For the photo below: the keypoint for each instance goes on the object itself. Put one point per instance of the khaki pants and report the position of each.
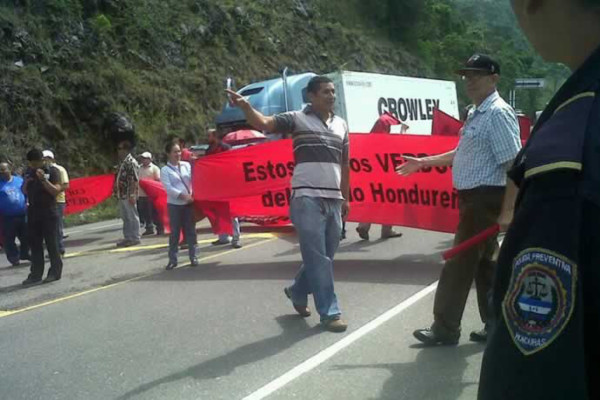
(479, 209)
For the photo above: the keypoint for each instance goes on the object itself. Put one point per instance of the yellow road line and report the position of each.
(265, 235)
(6, 313)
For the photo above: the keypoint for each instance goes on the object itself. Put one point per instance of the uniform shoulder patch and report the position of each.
(540, 298)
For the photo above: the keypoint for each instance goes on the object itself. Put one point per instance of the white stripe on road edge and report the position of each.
(329, 352)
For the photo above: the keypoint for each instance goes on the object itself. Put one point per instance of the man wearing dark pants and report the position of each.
(13, 211)
(61, 199)
(488, 144)
(41, 187)
(320, 192)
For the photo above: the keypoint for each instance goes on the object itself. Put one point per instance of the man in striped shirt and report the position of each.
(320, 188)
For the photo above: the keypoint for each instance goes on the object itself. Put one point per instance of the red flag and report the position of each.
(85, 193)
(444, 124)
(157, 194)
(384, 123)
(525, 127)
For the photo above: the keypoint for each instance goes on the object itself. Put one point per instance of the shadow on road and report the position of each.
(294, 329)
(404, 271)
(69, 243)
(436, 373)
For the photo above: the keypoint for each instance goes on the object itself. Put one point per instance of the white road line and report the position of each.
(94, 229)
(329, 352)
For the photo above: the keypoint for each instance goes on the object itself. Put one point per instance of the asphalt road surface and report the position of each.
(118, 326)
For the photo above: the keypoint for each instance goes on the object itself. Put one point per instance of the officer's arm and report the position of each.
(508, 205)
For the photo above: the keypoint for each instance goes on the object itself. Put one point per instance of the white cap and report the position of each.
(146, 154)
(48, 154)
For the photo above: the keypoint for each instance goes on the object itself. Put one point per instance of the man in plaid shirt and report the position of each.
(126, 191)
(488, 145)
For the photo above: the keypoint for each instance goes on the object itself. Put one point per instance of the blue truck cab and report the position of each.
(268, 97)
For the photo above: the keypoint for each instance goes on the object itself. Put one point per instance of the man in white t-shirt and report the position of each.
(148, 215)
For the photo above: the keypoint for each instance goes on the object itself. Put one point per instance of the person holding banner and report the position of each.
(216, 146)
(176, 178)
(320, 189)
(488, 145)
(543, 341)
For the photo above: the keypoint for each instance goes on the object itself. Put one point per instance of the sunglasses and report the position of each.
(474, 75)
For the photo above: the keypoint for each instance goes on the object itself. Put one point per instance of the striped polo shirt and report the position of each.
(320, 149)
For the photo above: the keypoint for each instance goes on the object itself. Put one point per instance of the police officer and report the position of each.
(543, 342)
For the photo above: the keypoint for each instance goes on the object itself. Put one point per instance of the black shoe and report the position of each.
(428, 337)
(31, 282)
(148, 232)
(194, 262)
(364, 235)
(51, 278)
(62, 252)
(219, 242)
(479, 336)
(236, 244)
(343, 235)
(160, 232)
(170, 266)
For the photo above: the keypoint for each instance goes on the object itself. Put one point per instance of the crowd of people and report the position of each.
(537, 295)
(32, 212)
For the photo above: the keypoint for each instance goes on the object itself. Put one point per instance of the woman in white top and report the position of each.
(176, 178)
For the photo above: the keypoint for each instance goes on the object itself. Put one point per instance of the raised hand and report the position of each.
(235, 99)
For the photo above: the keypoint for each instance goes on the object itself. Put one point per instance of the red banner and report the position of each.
(217, 212)
(256, 181)
(85, 193)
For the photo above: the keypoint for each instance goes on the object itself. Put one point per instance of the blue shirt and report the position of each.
(12, 199)
(176, 180)
(489, 140)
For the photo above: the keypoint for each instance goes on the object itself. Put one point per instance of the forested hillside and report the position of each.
(66, 64)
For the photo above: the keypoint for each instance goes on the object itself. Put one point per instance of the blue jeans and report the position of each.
(318, 222)
(181, 218)
(15, 227)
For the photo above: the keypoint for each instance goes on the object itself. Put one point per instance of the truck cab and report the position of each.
(268, 98)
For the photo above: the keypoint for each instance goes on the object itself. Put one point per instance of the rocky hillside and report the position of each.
(66, 64)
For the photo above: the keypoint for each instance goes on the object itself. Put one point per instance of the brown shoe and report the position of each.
(335, 325)
(304, 311)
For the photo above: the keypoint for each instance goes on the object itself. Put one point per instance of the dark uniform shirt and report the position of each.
(543, 342)
(39, 199)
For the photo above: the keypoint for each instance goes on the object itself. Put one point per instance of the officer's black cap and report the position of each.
(481, 63)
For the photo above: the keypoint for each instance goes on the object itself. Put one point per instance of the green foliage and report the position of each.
(66, 64)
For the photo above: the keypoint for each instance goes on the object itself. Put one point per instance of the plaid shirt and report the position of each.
(126, 182)
(489, 140)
